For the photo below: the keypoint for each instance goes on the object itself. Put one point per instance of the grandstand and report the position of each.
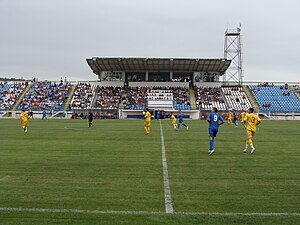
(275, 98)
(126, 86)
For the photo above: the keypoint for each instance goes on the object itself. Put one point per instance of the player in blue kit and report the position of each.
(234, 119)
(180, 120)
(44, 115)
(213, 119)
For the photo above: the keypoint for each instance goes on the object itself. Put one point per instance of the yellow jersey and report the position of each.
(251, 121)
(243, 116)
(147, 116)
(24, 117)
(173, 118)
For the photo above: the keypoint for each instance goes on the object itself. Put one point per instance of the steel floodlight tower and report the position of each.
(233, 52)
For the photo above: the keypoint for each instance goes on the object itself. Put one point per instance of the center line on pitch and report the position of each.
(167, 191)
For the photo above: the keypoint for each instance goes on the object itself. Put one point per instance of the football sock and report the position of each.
(250, 142)
(184, 125)
(178, 125)
(211, 144)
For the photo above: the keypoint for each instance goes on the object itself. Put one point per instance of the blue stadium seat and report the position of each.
(280, 99)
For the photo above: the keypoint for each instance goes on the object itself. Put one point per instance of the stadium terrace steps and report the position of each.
(94, 98)
(225, 100)
(251, 98)
(121, 105)
(70, 96)
(296, 93)
(192, 98)
(22, 96)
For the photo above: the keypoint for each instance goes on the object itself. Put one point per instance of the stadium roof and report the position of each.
(100, 64)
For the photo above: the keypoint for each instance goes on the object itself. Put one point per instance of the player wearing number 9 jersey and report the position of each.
(214, 120)
(250, 122)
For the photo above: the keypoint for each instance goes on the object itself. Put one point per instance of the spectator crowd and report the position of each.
(46, 95)
(108, 97)
(10, 93)
(208, 97)
(83, 96)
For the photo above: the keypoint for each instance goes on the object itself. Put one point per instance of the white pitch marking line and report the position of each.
(4, 178)
(3, 209)
(167, 190)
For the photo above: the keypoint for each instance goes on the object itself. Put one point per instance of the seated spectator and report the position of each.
(286, 86)
(267, 105)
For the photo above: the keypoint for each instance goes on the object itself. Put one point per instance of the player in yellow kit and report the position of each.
(24, 120)
(147, 121)
(174, 121)
(243, 116)
(250, 123)
(229, 118)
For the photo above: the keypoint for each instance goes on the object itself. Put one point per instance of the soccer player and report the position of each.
(30, 114)
(24, 120)
(174, 120)
(147, 121)
(229, 118)
(180, 120)
(158, 113)
(213, 119)
(90, 119)
(234, 119)
(250, 123)
(243, 116)
(44, 115)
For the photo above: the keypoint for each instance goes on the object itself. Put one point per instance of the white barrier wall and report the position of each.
(208, 84)
(159, 84)
(108, 83)
(134, 114)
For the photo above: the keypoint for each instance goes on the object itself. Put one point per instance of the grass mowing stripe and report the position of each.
(167, 191)
(143, 212)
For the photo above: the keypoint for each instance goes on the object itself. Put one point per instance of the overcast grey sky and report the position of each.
(51, 39)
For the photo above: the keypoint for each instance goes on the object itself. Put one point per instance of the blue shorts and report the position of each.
(212, 132)
(180, 120)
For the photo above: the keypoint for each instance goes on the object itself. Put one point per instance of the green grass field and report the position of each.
(62, 172)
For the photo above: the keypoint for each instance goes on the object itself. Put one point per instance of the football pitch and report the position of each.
(63, 172)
